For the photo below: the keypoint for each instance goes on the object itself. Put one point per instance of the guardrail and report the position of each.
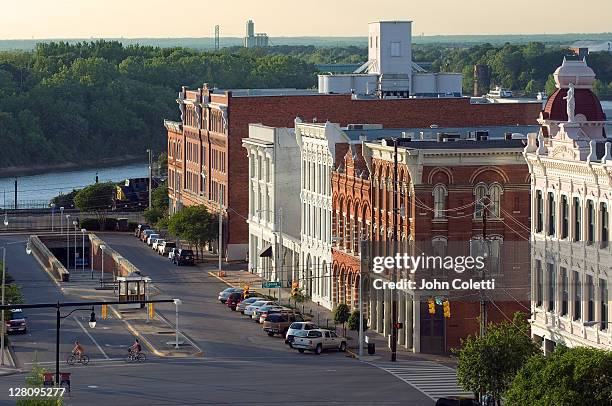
(45, 220)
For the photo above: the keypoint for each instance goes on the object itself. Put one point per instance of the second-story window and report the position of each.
(603, 294)
(577, 296)
(551, 214)
(590, 221)
(439, 198)
(564, 217)
(495, 192)
(539, 212)
(605, 233)
(480, 192)
(577, 219)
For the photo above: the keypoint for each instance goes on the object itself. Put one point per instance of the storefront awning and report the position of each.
(266, 252)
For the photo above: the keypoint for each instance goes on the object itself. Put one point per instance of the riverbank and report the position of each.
(13, 171)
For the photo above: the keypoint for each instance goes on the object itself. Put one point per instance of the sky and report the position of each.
(28, 19)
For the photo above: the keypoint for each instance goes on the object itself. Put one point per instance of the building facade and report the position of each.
(571, 191)
(274, 203)
(206, 161)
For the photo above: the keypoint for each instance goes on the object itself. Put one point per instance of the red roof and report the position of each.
(586, 103)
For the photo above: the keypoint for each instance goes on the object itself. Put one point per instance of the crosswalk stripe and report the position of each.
(433, 380)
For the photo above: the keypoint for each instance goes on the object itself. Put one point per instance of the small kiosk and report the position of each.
(133, 288)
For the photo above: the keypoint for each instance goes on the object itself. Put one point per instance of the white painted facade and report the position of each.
(571, 189)
(274, 202)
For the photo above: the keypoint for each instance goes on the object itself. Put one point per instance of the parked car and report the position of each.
(140, 229)
(257, 312)
(172, 254)
(279, 323)
(165, 247)
(246, 302)
(183, 257)
(274, 310)
(248, 311)
(294, 328)
(16, 322)
(145, 234)
(318, 340)
(233, 299)
(152, 238)
(157, 243)
(226, 292)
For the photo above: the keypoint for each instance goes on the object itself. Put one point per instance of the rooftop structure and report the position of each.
(253, 39)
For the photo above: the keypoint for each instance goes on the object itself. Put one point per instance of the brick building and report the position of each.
(440, 188)
(207, 163)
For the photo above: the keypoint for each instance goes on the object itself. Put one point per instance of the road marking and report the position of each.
(91, 337)
(93, 386)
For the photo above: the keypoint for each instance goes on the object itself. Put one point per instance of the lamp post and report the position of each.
(62, 220)
(68, 241)
(83, 250)
(59, 317)
(150, 152)
(75, 223)
(279, 258)
(102, 247)
(52, 217)
(6, 222)
(177, 302)
(28, 251)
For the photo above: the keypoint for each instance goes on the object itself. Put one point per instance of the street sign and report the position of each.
(271, 285)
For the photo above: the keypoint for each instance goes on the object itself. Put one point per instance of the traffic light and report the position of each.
(432, 305)
(246, 291)
(151, 310)
(294, 288)
(446, 306)
(104, 312)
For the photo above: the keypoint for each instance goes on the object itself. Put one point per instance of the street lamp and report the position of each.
(59, 318)
(102, 247)
(62, 220)
(6, 219)
(28, 251)
(83, 250)
(52, 217)
(68, 241)
(75, 223)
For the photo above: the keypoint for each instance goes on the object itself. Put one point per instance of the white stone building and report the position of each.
(274, 203)
(571, 188)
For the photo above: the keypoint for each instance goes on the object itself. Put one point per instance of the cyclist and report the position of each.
(135, 348)
(78, 349)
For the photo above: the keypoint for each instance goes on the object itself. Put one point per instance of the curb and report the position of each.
(146, 342)
(211, 273)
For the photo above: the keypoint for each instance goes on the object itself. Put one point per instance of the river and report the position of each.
(43, 187)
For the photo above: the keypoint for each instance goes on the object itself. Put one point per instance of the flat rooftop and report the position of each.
(429, 133)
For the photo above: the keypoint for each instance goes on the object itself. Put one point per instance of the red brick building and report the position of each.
(440, 189)
(207, 164)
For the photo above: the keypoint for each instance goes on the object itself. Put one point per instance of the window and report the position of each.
(564, 292)
(551, 214)
(439, 196)
(539, 287)
(605, 234)
(603, 294)
(495, 192)
(396, 49)
(480, 191)
(539, 212)
(577, 296)
(552, 281)
(564, 217)
(577, 219)
(590, 298)
(590, 221)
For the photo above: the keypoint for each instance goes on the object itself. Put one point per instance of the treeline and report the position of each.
(92, 100)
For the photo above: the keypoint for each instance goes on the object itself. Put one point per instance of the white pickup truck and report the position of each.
(318, 340)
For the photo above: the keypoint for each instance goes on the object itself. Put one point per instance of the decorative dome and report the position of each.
(576, 72)
(587, 104)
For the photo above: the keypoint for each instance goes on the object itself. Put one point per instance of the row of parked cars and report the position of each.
(178, 256)
(300, 334)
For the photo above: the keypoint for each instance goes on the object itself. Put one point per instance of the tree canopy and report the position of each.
(194, 224)
(97, 198)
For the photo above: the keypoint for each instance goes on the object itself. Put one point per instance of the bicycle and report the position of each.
(135, 357)
(73, 359)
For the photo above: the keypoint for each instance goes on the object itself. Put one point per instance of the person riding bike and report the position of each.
(135, 348)
(78, 349)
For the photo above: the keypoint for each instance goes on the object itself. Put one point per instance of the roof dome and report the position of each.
(586, 103)
(576, 72)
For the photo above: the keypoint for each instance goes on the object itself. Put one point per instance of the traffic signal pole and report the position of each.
(395, 245)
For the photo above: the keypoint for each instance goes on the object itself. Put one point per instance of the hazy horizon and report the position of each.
(77, 19)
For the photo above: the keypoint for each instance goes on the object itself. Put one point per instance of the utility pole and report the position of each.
(279, 275)
(15, 193)
(220, 240)
(3, 322)
(150, 174)
(394, 294)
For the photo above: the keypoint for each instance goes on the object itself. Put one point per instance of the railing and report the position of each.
(46, 220)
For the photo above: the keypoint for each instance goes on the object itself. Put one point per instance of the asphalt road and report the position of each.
(241, 366)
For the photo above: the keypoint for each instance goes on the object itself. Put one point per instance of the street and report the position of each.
(241, 365)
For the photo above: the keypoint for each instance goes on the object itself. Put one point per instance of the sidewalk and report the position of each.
(237, 277)
(9, 367)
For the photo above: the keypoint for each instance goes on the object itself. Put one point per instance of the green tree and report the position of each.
(194, 224)
(64, 200)
(488, 364)
(567, 377)
(341, 315)
(162, 162)
(550, 85)
(35, 380)
(353, 321)
(159, 198)
(97, 198)
(153, 215)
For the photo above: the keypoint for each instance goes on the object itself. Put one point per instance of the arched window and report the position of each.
(480, 191)
(495, 192)
(439, 198)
